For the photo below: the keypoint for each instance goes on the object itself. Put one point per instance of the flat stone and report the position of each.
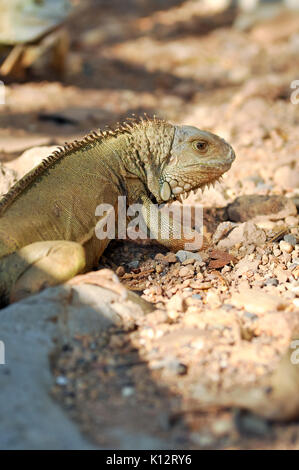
(222, 230)
(249, 206)
(29, 159)
(256, 301)
(245, 234)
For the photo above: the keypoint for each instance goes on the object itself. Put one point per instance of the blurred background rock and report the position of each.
(34, 33)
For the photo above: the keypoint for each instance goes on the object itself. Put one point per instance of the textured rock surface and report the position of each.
(29, 159)
(247, 207)
(29, 417)
(30, 330)
(7, 178)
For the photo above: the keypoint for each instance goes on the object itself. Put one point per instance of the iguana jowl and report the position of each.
(47, 219)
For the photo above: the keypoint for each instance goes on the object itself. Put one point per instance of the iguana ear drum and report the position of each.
(165, 191)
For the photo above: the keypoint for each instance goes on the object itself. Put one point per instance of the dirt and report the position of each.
(221, 319)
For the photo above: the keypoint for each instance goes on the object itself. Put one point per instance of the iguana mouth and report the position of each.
(175, 189)
(171, 192)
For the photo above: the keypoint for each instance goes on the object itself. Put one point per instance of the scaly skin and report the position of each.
(47, 220)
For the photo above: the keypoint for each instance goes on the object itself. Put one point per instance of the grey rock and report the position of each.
(197, 296)
(249, 424)
(182, 255)
(254, 205)
(29, 417)
(291, 239)
(133, 264)
(271, 281)
(244, 233)
(30, 330)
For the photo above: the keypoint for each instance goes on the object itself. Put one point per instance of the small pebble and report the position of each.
(186, 271)
(250, 315)
(265, 224)
(285, 246)
(213, 299)
(133, 264)
(222, 427)
(249, 424)
(291, 239)
(61, 380)
(170, 258)
(177, 368)
(159, 268)
(196, 296)
(271, 281)
(127, 391)
(265, 259)
(173, 315)
(120, 271)
(202, 439)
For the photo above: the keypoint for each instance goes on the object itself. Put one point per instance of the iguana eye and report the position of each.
(200, 145)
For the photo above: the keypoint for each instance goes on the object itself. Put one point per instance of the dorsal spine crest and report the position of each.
(126, 127)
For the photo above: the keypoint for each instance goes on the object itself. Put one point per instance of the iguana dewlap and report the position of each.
(48, 218)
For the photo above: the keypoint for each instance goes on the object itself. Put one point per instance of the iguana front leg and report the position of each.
(39, 265)
(168, 231)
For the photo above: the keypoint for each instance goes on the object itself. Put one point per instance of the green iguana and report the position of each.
(47, 219)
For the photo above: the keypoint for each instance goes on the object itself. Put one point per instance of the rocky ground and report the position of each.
(222, 318)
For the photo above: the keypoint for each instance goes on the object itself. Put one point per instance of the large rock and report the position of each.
(7, 179)
(246, 234)
(30, 158)
(24, 21)
(30, 329)
(251, 206)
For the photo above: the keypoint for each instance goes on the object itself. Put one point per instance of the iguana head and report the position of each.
(170, 161)
(196, 158)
